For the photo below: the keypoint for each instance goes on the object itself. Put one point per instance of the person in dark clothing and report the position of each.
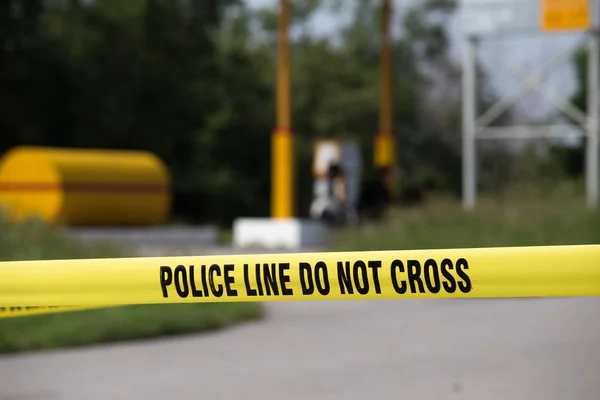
(375, 197)
(335, 211)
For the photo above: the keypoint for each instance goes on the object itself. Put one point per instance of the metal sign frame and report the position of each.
(476, 127)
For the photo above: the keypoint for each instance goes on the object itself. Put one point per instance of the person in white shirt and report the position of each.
(331, 203)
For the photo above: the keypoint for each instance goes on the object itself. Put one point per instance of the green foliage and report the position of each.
(571, 159)
(35, 240)
(193, 81)
(580, 62)
(521, 219)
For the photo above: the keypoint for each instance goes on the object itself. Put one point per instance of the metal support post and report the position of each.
(593, 105)
(469, 177)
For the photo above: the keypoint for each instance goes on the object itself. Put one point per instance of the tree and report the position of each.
(571, 159)
(193, 81)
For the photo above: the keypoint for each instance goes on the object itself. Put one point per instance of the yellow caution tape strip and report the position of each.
(454, 273)
(15, 311)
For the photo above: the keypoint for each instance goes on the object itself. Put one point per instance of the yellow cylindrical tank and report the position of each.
(85, 187)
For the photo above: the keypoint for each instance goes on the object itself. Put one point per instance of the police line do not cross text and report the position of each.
(303, 279)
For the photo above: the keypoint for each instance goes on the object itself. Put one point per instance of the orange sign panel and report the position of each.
(565, 15)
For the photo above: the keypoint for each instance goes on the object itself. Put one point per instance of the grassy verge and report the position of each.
(79, 328)
(35, 241)
(516, 221)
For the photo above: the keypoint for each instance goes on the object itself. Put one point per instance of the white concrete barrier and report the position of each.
(290, 234)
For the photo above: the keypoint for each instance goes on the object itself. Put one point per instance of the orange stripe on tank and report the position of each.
(83, 187)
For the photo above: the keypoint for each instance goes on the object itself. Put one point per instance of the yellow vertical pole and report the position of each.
(281, 145)
(384, 140)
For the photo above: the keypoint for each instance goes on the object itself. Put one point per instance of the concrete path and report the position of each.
(440, 349)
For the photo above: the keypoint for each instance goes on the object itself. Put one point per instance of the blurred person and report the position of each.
(375, 196)
(330, 203)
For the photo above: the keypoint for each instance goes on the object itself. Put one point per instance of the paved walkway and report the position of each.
(439, 349)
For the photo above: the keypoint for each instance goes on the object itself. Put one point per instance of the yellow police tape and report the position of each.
(15, 311)
(453, 273)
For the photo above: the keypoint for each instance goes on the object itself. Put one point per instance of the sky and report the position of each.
(528, 53)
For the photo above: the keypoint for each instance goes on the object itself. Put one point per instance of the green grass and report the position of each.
(80, 328)
(35, 241)
(518, 220)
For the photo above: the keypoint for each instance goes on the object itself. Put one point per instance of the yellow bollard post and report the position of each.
(281, 145)
(385, 144)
